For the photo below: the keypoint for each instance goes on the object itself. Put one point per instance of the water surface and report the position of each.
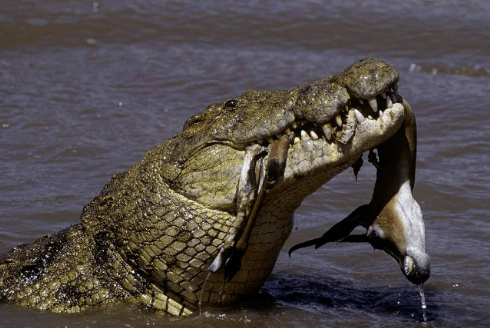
(87, 88)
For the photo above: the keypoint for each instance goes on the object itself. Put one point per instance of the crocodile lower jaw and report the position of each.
(310, 153)
(360, 126)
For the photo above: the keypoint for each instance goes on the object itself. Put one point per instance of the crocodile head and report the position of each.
(202, 218)
(317, 131)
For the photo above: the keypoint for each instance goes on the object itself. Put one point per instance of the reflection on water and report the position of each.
(86, 88)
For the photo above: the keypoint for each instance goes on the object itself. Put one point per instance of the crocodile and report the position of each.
(200, 221)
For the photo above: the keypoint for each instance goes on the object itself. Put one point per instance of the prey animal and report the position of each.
(202, 218)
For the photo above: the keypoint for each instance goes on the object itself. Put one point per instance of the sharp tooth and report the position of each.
(296, 140)
(361, 101)
(370, 117)
(393, 98)
(359, 116)
(346, 108)
(327, 130)
(380, 113)
(294, 125)
(313, 135)
(383, 94)
(304, 135)
(349, 127)
(278, 136)
(373, 103)
(389, 103)
(338, 120)
(261, 141)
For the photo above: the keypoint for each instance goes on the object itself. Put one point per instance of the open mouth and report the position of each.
(341, 128)
(265, 161)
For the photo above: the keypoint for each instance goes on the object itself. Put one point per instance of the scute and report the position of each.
(369, 77)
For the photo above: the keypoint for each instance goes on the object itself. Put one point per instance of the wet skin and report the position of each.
(203, 217)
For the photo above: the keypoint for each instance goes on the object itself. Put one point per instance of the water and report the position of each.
(424, 305)
(86, 90)
(200, 295)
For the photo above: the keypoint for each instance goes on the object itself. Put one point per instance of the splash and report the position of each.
(424, 305)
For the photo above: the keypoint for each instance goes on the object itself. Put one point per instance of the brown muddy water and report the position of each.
(86, 88)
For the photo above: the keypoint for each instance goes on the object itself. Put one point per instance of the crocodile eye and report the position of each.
(231, 104)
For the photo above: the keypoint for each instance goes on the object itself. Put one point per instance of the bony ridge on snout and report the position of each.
(203, 217)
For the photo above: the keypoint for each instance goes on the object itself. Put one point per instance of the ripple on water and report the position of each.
(322, 295)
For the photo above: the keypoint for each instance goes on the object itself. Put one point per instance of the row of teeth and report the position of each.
(337, 130)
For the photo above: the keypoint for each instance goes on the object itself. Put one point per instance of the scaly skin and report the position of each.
(153, 232)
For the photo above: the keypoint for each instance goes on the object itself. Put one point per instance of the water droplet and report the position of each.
(424, 305)
(202, 291)
(414, 68)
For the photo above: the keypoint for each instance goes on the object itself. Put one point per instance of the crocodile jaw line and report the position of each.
(359, 126)
(309, 154)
